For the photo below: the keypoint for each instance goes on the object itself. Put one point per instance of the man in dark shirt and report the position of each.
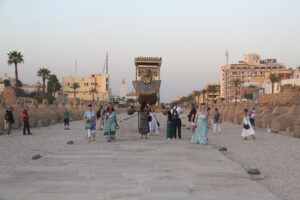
(217, 121)
(10, 119)
(191, 118)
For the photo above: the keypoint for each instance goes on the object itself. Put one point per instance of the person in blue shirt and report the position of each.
(90, 122)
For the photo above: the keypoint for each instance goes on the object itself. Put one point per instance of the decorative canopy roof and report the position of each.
(151, 61)
(148, 89)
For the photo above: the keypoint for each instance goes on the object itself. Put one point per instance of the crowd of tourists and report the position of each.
(199, 122)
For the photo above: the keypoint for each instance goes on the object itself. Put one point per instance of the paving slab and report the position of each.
(156, 168)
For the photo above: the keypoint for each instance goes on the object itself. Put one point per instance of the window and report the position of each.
(86, 84)
(67, 84)
(106, 80)
(106, 87)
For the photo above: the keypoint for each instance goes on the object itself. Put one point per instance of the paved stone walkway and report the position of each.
(132, 169)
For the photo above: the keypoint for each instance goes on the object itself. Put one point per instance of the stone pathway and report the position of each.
(131, 169)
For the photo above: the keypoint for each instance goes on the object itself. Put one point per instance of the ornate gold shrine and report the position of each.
(147, 79)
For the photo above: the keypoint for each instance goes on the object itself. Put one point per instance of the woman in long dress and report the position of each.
(144, 122)
(247, 127)
(153, 123)
(202, 123)
(111, 123)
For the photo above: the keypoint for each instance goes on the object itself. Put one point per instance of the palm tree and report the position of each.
(236, 83)
(93, 91)
(44, 73)
(15, 57)
(212, 89)
(203, 91)
(75, 86)
(274, 78)
(197, 94)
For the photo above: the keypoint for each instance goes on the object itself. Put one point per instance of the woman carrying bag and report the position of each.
(90, 122)
(111, 124)
(247, 127)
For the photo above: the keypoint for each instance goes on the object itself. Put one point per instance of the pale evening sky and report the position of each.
(190, 35)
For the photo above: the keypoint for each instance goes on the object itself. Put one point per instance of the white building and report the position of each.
(123, 89)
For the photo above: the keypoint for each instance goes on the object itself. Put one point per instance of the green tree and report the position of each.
(237, 82)
(248, 96)
(203, 92)
(43, 73)
(74, 86)
(7, 83)
(15, 58)
(53, 85)
(274, 78)
(93, 91)
(197, 94)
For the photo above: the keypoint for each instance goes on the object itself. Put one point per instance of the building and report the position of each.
(212, 95)
(296, 73)
(28, 88)
(251, 67)
(123, 89)
(100, 82)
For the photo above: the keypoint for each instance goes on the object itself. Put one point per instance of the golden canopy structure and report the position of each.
(147, 79)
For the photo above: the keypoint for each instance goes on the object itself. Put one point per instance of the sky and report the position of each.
(191, 36)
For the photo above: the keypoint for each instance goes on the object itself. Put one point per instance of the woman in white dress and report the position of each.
(153, 124)
(247, 127)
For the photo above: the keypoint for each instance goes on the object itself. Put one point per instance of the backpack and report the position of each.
(175, 114)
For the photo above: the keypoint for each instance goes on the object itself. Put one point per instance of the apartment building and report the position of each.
(251, 68)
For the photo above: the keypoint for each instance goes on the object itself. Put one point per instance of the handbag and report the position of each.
(149, 118)
(246, 126)
(88, 124)
(158, 124)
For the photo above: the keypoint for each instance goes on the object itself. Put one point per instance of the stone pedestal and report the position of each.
(296, 124)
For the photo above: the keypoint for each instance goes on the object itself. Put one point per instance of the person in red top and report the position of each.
(26, 121)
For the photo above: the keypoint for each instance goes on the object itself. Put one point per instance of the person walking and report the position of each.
(5, 111)
(10, 119)
(217, 121)
(111, 124)
(90, 122)
(154, 125)
(144, 122)
(170, 126)
(191, 118)
(67, 119)
(101, 117)
(26, 121)
(176, 117)
(247, 127)
(252, 117)
(201, 129)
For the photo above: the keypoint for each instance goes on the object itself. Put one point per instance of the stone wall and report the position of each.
(9, 96)
(272, 117)
(286, 97)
